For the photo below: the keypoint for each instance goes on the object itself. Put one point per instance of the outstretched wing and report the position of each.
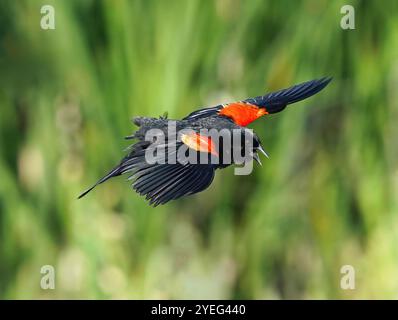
(277, 101)
(246, 111)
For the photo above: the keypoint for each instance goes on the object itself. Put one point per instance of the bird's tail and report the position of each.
(129, 162)
(113, 173)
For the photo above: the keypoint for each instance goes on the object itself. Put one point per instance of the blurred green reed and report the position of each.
(327, 196)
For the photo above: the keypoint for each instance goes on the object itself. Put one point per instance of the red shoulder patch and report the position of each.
(199, 143)
(242, 113)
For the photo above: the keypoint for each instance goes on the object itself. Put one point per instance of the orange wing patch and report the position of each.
(199, 143)
(242, 113)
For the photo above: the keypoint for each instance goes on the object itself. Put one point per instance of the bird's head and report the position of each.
(247, 147)
(257, 147)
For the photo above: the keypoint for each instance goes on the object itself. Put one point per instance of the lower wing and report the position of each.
(161, 182)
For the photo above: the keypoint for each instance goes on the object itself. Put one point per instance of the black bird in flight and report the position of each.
(150, 163)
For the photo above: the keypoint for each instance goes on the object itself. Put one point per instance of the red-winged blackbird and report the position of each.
(161, 179)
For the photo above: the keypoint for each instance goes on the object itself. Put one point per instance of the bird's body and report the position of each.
(175, 158)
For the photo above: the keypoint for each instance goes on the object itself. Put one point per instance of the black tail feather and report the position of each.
(113, 173)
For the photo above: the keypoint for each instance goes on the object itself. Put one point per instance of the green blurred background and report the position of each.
(327, 197)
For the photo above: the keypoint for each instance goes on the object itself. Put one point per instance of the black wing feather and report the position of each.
(203, 113)
(275, 101)
(168, 192)
(172, 181)
(162, 177)
(195, 179)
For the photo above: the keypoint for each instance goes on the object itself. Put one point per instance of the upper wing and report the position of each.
(246, 111)
(277, 101)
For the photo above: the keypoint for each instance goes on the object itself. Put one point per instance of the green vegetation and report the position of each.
(326, 197)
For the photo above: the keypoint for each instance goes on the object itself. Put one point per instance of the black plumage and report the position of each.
(162, 181)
